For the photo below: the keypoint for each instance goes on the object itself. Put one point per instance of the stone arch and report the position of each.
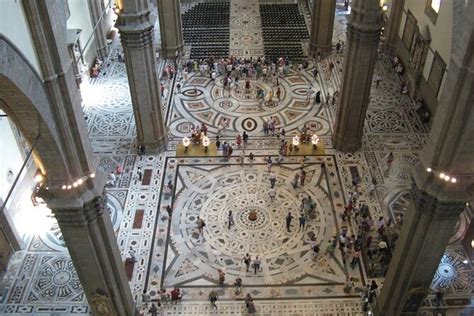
(23, 98)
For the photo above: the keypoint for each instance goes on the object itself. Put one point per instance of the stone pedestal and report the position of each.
(393, 25)
(96, 11)
(322, 26)
(169, 12)
(363, 34)
(136, 34)
(85, 224)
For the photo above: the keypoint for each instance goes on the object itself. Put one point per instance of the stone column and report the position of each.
(47, 25)
(393, 25)
(363, 34)
(136, 33)
(87, 229)
(96, 11)
(429, 224)
(438, 202)
(322, 26)
(169, 13)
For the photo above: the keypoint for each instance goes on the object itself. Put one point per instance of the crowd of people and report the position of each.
(354, 244)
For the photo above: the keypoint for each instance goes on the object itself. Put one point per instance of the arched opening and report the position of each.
(29, 146)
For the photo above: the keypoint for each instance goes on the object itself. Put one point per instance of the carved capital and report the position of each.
(441, 210)
(137, 39)
(81, 217)
(364, 36)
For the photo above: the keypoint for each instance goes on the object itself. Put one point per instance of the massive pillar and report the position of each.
(322, 26)
(136, 23)
(363, 33)
(427, 228)
(169, 12)
(87, 230)
(70, 188)
(443, 183)
(96, 10)
(393, 25)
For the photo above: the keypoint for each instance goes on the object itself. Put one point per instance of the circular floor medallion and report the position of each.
(249, 124)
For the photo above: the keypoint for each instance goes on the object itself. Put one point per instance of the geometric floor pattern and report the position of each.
(42, 281)
(210, 188)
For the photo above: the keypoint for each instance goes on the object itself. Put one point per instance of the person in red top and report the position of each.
(175, 295)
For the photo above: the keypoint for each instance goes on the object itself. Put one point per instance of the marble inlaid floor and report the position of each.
(209, 188)
(41, 279)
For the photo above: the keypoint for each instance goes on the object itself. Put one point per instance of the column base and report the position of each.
(347, 145)
(155, 146)
(325, 50)
(170, 52)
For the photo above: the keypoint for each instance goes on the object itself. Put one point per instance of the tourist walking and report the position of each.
(213, 298)
(272, 178)
(218, 143)
(355, 258)
(249, 304)
(256, 264)
(247, 259)
(269, 163)
(245, 137)
(348, 285)
(289, 218)
(132, 253)
(302, 177)
(139, 172)
(200, 224)
(238, 140)
(146, 298)
(251, 159)
(230, 219)
(272, 194)
(224, 149)
(153, 309)
(318, 97)
(294, 183)
(302, 220)
(278, 93)
(230, 150)
(221, 277)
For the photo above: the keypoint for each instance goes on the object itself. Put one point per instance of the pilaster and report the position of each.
(322, 26)
(169, 12)
(363, 34)
(393, 25)
(96, 11)
(136, 25)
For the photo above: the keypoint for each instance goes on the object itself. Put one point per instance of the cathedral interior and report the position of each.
(149, 146)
